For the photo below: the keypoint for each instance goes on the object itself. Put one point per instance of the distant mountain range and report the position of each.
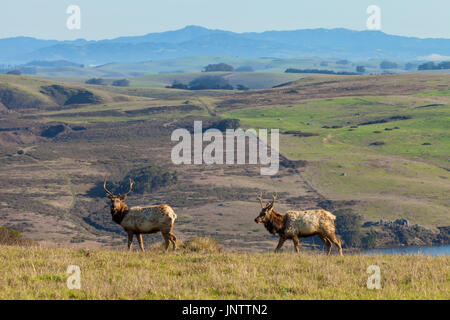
(194, 41)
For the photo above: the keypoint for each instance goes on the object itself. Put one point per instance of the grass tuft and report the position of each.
(201, 244)
(13, 237)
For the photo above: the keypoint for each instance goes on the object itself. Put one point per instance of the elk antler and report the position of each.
(274, 197)
(109, 193)
(259, 197)
(123, 196)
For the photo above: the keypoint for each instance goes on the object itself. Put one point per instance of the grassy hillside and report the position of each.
(194, 64)
(23, 92)
(388, 152)
(332, 122)
(199, 272)
(252, 80)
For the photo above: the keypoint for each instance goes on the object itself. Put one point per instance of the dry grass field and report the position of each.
(199, 271)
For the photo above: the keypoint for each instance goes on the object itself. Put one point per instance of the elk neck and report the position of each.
(274, 224)
(118, 214)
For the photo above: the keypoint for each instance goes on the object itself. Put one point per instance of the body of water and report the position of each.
(427, 251)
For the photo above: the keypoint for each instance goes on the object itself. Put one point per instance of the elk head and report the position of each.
(266, 210)
(116, 200)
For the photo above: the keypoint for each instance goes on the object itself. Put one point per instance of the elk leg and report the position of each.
(327, 243)
(329, 246)
(130, 240)
(173, 239)
(166, 237)
(333, 238)
(280, 244)
(141, 243)
(296, 244)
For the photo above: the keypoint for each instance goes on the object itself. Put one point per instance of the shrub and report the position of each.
(178, 85)
(218, 67)
(13, 237)
(53, 131)
(205, 83)
(241, 87)
(146, 179)
(225, 124)
(78, 128)
(14, 72)
(432, 66)
(377, 143)
(96, 81)
(121, 83)
(348, 226)
(318, 71)
(369, 241)
(149, 178)
(301, 133)
(209, 82)
(444, 65)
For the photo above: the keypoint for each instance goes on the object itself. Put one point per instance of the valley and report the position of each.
(377, 145)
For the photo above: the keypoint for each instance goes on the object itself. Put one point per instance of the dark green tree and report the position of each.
(218, 67)
(97, 81)
(360, 69)
(348, 226)
(121, 83)
(210, 82)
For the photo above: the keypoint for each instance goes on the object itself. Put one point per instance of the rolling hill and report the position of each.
(376, 145)
(62, 69)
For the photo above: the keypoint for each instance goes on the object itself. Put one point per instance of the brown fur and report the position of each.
(119, 211)
(321, 223)
(275, 222)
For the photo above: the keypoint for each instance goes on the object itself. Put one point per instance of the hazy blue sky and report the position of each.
(109, 19)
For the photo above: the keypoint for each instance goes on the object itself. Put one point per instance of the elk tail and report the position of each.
(329, 215)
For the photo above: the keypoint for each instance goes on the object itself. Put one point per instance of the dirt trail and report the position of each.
(205, 105)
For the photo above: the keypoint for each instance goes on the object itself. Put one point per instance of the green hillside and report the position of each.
(252, 80)
(411, 160)
(375, 145)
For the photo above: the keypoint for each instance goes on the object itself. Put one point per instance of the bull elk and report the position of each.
(142, 220)
(298, 224)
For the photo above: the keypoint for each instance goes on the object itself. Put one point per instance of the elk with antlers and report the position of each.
(298, 224)
(142, 220)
